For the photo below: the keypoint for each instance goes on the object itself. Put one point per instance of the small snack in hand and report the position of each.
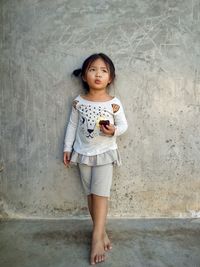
(104, 123)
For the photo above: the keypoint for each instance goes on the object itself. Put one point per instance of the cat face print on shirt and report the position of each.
(89, 119)
(90, 115)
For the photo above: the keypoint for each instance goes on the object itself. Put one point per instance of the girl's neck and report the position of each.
(97, 95)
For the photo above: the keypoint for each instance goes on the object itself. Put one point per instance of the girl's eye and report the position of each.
(103, 70)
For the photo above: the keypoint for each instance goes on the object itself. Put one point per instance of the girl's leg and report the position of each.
(99, 213)
(107, 243)
(98, 205)
(97, 180)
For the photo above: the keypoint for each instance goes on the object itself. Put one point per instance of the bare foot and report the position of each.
(97, 251)
(107, 243)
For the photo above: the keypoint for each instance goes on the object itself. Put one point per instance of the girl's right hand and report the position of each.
(66, 158)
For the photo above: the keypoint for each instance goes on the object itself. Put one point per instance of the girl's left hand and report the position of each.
(108, 129)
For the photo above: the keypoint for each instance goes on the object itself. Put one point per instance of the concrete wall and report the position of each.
(155, 46)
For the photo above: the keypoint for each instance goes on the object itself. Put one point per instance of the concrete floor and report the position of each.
(65, 243)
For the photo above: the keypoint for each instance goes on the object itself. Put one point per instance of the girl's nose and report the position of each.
(98, 74)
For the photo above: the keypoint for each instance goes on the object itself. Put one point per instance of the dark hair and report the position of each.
(87, 63)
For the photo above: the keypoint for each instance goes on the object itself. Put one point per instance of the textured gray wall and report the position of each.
(155, 46)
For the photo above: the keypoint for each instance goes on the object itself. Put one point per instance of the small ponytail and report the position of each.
(77, 72)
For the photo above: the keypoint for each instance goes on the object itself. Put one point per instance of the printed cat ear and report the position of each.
(74, 103)
(115, 108)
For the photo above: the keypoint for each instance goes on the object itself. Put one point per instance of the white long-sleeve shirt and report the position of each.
(83, 132)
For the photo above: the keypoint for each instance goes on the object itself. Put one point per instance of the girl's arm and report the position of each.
(120, 121)
(71, 130)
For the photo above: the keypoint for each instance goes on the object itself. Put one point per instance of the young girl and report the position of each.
(90, 141)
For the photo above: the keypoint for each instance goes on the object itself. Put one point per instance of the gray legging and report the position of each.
(96, 179)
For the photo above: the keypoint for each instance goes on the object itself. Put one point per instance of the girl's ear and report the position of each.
(110, 81)
(83, 77)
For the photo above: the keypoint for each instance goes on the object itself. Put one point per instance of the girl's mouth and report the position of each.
(97, 81)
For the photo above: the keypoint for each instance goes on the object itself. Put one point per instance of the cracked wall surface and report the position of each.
(155, 46)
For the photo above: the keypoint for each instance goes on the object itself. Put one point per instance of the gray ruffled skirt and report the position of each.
(111, 156)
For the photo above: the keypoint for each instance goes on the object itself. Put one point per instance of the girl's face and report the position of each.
(98, 75)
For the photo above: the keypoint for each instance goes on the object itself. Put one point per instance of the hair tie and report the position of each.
(77, 72)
